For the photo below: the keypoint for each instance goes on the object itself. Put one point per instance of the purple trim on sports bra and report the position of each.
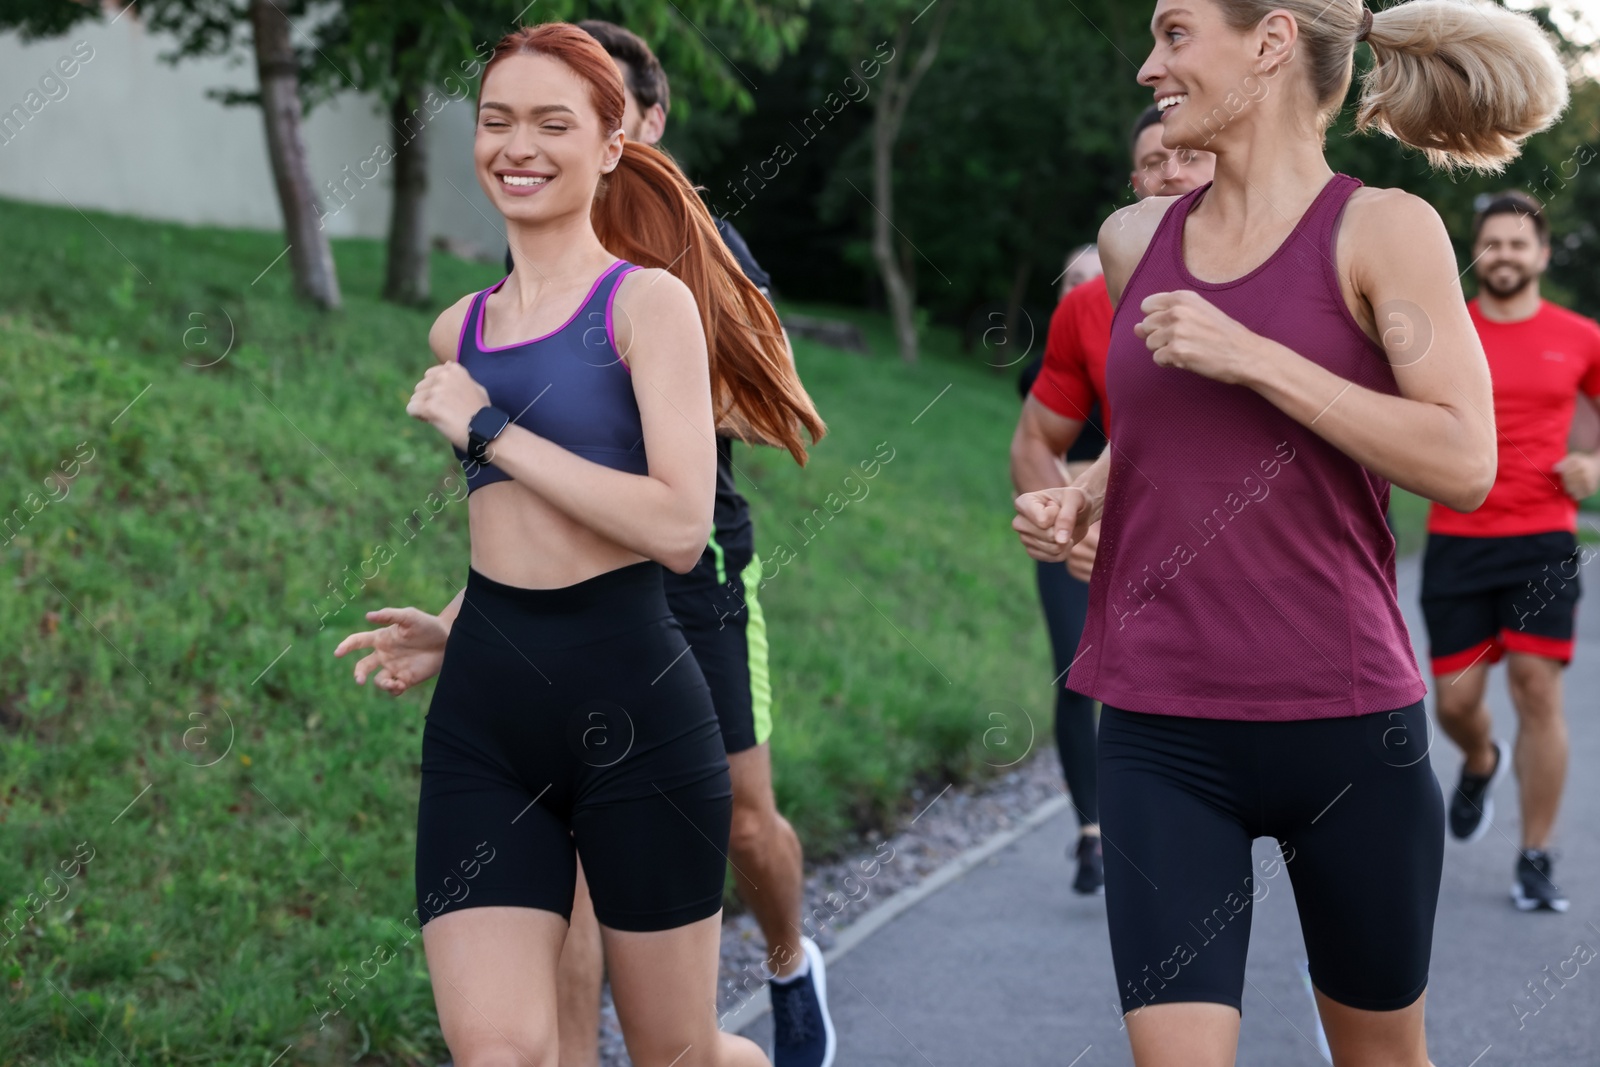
(461, 339)
(612, 299)
(570, 320)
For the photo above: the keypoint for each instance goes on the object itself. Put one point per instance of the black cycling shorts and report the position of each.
(573, 717)
(1359, 820)
(1485, 596)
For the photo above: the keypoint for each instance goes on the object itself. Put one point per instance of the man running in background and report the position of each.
(1083, 264)
(1067, 400)
(716, 605)
(1502, 581)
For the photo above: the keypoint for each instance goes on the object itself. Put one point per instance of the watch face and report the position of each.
(489, 423)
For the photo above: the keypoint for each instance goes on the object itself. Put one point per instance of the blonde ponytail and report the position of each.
(1464, 82)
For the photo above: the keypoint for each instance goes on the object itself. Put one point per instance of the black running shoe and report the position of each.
(1533, 889)
(1472, 808)
(1091, 876)
(802, 1032)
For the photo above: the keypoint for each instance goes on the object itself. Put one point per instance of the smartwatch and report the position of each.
(490, 422)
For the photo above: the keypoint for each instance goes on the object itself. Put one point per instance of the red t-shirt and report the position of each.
(1539, 365)
(1073, 377)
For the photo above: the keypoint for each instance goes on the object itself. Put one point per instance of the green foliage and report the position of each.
(1040, 157)
(34, 19)
(162, 614)
(1014, 150)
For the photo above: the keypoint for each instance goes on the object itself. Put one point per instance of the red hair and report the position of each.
(647, 212)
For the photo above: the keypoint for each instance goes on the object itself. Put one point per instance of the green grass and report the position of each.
(163, 613)
(168, 697)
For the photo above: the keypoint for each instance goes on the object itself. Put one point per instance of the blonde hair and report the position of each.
(1464, 81)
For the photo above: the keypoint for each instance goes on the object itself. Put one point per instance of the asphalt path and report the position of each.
(1007, 966)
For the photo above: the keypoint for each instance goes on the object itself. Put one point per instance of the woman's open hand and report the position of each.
(406, 652)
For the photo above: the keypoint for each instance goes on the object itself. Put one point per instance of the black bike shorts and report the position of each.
(573, 718)
(1359, 820)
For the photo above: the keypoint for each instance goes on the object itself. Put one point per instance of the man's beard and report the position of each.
(1524, 278)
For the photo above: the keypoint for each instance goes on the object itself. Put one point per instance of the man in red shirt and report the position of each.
(1060, 404)
(1502, 581)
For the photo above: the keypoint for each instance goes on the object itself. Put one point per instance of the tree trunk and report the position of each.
(406, 276)
(310, 257)
(902, 301)
(888, 113)
(1017, 348)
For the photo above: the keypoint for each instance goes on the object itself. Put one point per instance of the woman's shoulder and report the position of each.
(1392, 234)
(445, 335)
(651, 289)
(659, 297)
(1386, 216)
(1125, 236)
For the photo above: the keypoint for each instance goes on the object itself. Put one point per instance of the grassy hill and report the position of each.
(194, 462)
(237, 815)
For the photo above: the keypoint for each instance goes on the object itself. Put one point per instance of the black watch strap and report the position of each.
(490, 422)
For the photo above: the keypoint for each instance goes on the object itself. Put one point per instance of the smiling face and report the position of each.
(1209, 78)
(1162, 171)
(1508, 255)
(539, 149)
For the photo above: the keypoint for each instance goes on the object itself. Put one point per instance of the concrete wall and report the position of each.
(130, 134)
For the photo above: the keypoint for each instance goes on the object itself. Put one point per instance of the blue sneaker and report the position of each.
(802, 1032)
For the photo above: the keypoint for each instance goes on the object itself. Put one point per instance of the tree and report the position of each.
(405, 51)
(209, 27)
(1034, 166)
(856, 25)
(310, 255)
(1015, 148)
(33, 19)
(402, 52)
(215, 28)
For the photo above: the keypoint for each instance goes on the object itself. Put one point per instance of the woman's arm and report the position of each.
(664, 515)
(1437, 438)
(1052, 521)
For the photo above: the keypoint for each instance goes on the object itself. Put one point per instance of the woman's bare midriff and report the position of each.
(518, 539)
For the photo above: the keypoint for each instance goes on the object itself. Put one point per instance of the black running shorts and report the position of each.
(564, 718)
(1485, 596)
(1359, 819)
(728, 633)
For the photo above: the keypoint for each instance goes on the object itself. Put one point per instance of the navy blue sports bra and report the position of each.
(569, 386)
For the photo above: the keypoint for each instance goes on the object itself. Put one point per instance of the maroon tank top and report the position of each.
(1245, 568)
